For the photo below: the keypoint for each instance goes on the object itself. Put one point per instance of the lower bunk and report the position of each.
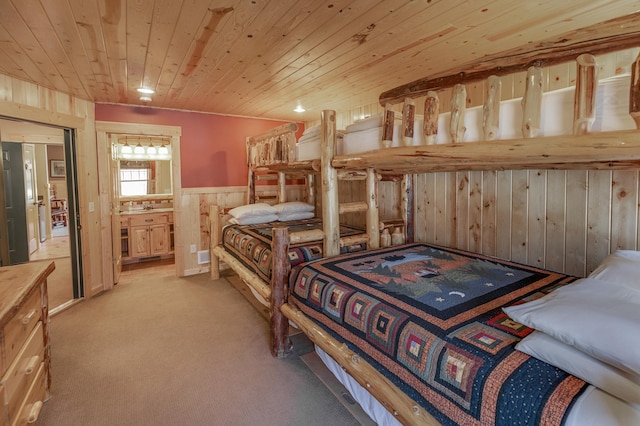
(422, 330)
(262, 254)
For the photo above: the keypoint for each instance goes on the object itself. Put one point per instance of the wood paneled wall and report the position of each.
(566, 221)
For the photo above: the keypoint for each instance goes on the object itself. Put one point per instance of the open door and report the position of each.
(15, 202)
(28, 160)
(119, 242)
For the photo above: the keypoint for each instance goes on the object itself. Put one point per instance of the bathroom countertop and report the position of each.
(143, 211)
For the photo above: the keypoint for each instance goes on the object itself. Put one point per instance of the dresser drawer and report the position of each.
(150, 219)
(30, 409)
(22, 371)
(20, 326)
(3, 408)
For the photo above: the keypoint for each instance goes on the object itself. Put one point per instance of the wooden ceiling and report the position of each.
(260, 58)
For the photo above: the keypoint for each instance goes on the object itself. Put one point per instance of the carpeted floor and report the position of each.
(160, 350)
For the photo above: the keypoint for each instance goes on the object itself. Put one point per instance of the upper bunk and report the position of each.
(535, 132)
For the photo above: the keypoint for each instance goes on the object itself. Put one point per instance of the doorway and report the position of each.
(39, 191)
(106, 134)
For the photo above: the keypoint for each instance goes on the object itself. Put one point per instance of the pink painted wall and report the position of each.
(212, 147)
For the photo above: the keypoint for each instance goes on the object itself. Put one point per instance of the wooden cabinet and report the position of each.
(147, 235)
(24, 341)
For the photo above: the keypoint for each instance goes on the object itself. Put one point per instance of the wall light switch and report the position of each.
(193, 249)
(92, 206)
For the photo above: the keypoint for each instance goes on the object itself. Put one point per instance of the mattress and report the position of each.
(593, 408)
(612, 113)
(430, 320)
(251, 244)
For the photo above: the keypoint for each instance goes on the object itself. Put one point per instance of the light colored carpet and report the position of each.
(159, 350)
(59, 283)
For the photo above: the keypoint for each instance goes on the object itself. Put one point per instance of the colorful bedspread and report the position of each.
(429, 318)
(251, 244)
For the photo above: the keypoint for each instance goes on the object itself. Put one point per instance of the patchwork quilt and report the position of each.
(251, 244)
(430, 319)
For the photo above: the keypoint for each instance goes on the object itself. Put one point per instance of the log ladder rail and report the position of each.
(582, 150)
(392, 398)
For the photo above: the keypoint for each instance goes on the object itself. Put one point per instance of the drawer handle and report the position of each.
(27, 318)
(34, 412)
(31, 365)
(148, 220)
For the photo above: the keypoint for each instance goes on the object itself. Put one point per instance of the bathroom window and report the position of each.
(135, 178)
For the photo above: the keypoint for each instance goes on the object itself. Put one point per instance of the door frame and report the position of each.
(104, 131)
(72, 203)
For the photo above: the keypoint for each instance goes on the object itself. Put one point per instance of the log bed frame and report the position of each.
(611, 151)
(269, 153)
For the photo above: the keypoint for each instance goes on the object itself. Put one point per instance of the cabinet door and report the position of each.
(139, 240)
(159, 241)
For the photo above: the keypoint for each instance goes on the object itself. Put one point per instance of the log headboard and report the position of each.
(273, 147)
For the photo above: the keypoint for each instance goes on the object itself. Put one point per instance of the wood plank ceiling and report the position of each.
(261, 57)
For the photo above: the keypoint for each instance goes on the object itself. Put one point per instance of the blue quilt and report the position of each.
(430, 319)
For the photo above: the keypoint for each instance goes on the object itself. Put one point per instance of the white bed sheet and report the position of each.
(593, 408)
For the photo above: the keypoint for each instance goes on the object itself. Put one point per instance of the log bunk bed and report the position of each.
(433, 380)
(269, 159)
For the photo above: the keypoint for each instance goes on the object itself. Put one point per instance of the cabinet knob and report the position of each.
(148, 220)
(32, 365)
(34, 412)
(28, 317)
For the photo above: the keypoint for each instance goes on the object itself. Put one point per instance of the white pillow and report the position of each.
(599, 319)
(312, 130)
(258, 209)
(610, 379)
(253, 220)
(295, 216)
(621, 266)
(293, 207)
(365, 123)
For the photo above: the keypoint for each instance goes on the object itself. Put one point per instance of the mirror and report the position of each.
(143, 166)
(144, 177)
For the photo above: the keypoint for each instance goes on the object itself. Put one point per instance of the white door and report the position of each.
(28, 159)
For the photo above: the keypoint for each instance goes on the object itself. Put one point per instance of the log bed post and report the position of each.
(280, 343)
(252, 186)
(373, 216)
(634, 92)
(491, 108)
(214, 232)
(406, 207)
(311, 189)
(458, 109)
(387, 126)
(330, 207)
(282, 187)
(532, 103)
(584, 101)
(431, 112)
(408, 118)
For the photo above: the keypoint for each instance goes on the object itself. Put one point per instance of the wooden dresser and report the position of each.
(24, 342)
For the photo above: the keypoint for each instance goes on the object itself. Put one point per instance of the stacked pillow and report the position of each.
(294, 210)
(591, 328)
(252, 214)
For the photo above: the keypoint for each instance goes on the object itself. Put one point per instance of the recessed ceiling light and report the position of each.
(299, 108)
(146, 91)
